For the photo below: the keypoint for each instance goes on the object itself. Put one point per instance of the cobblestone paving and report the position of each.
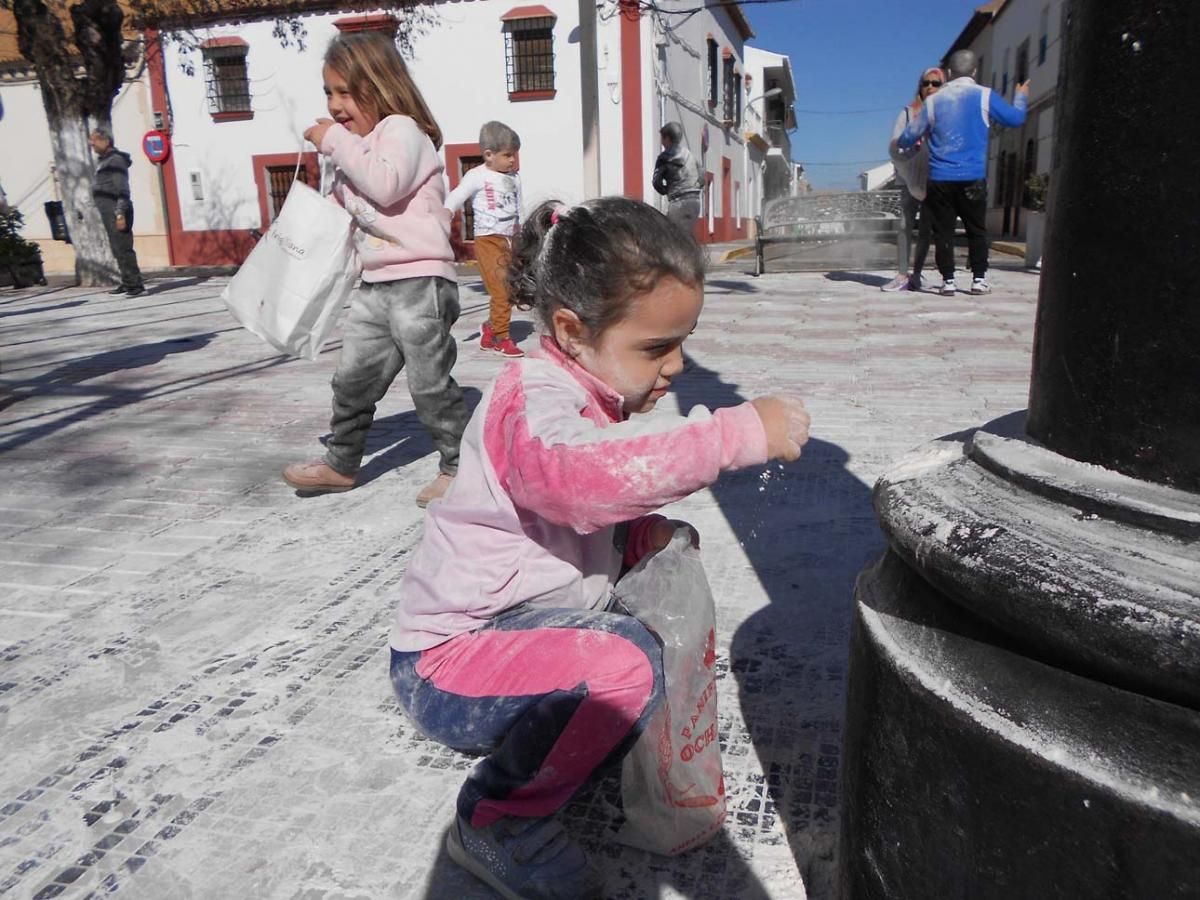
(193, 690)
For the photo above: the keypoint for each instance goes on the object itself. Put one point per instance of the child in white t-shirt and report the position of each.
(495, 193)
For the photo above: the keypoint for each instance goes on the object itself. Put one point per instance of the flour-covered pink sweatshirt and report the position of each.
(548, 467)
(391, 182)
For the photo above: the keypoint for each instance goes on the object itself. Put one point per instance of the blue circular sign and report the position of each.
(156, 145)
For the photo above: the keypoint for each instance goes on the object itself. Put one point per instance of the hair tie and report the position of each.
(559, 212)
(553, 217)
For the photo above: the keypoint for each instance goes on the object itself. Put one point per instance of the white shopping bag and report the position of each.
(672, 782)
(293, 285)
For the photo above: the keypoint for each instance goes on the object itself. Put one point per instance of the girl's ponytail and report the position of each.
(596, 258)
(527, 248)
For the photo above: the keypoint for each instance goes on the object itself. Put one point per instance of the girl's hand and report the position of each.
(786, 422)
(662, 531)
(316, 133)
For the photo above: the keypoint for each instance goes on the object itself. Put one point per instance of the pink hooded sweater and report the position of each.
(549, 466)
(391, 183)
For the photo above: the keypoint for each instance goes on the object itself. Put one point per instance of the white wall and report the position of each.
(26, 167)
(684, 88)
(1023, 20)
(459, 67)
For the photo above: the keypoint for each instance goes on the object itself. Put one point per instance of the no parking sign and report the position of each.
(156, 145)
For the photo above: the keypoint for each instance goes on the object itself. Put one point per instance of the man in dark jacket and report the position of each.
(677, 175)
(111, 193)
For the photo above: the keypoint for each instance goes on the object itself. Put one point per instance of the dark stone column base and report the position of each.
(1024, 697)
(974, 772)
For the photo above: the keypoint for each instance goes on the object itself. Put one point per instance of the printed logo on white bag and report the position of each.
(290, 247)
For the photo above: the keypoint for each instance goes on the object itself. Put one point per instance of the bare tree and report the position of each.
(81, 72)
(70, 101)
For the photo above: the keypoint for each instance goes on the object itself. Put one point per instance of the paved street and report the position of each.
(193, 692)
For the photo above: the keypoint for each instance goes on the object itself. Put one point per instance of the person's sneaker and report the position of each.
(507, 348)
(317, 477)
(487, 339)
(119, 289)
(948, 287)
(980, 286)
(525, 859)
(914, 282)
(134, 291)
(434, 490)
(899, 283)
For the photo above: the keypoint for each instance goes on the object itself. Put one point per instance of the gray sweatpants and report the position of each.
(121, 242)
(393, 324)
(684, 212)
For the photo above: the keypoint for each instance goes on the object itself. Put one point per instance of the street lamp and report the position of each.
(773, 92)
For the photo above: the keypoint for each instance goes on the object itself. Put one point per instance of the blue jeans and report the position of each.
(549, 694)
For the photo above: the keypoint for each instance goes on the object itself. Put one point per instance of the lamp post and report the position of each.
(773, 92)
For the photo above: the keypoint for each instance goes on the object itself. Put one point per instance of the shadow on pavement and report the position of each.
(860, 277)
(161, 287)
(42, 309)
(728, 287)
(400, 440)
(101, 398)
(62, 379)
(686, 875)
(518, 330)
(807, 529)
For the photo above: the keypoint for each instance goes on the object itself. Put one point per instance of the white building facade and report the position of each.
(27, 169)
(588, 119)
(1016, 41)
(771, 117)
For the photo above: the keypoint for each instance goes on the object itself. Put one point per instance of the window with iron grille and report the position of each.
(730, 89)
(279, 182)
(739, 93)
(466, 164)
(1044, 39)
(226, 80)
(529, 55)
(713, 85)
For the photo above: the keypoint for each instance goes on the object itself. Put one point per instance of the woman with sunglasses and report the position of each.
(912, 170)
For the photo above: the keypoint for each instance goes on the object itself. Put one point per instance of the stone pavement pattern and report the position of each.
(193, 689)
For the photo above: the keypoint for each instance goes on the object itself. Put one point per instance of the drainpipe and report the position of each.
(589, 84)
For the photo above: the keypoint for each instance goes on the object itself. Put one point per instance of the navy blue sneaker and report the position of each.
(525, 859)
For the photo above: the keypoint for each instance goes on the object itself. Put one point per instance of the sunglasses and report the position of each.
(931, 84)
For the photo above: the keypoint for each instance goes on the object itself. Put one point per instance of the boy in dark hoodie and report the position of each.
(111, 193)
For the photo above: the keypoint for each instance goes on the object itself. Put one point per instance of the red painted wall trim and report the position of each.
(158, 103)
(631, 99)
(725, 223)
(384, 22)
(260, 163)
(523, 96)
(703, 235)
(213, 248)
(213, 43)
(242, 116)
(528, 12)
(454, 153)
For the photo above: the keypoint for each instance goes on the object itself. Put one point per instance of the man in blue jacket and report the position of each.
(956, 120)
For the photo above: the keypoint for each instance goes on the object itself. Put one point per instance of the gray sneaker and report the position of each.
(525, 859)
(980, 286)
(948, 287)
